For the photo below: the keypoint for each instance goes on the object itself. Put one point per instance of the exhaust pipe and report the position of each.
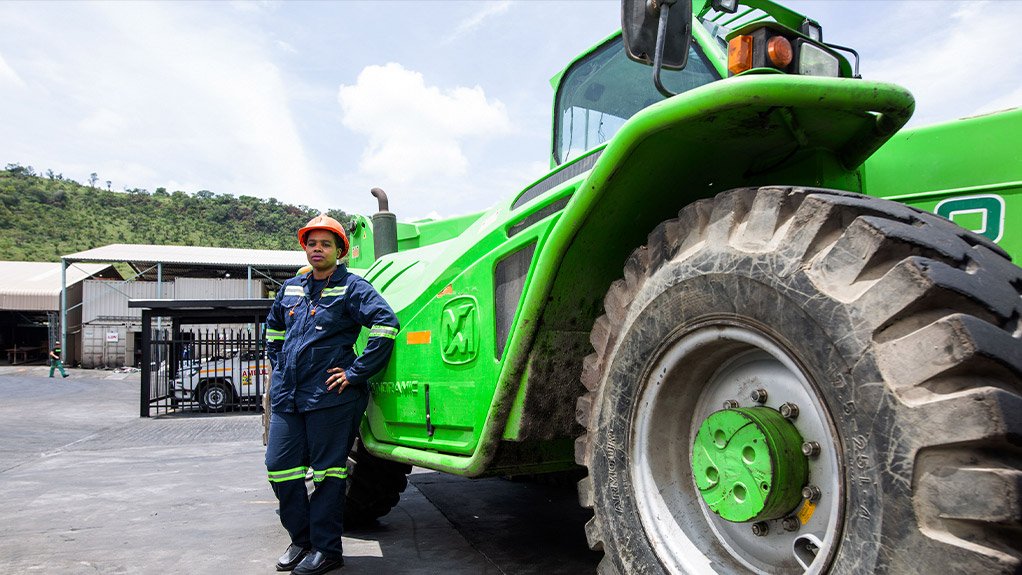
(384, 226)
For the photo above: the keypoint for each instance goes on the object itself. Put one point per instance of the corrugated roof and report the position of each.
(35, 286)
(192, 256)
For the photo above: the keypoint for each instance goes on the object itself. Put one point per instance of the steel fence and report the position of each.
(211, 370)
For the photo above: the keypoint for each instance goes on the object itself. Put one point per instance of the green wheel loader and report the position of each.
(712, 304)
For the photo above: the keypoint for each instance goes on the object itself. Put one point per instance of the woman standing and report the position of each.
(319, 391)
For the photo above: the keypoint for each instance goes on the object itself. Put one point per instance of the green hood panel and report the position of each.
(743, 131)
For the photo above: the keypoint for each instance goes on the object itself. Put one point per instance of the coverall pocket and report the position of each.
(322, 359)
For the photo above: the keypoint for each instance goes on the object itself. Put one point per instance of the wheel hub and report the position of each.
(215, 396)
(748, 464)
(689, 382)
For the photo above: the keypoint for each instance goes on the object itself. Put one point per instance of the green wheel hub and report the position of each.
(748, 464)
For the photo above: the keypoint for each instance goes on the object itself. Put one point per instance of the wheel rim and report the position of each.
(215, 397)
(687, 385)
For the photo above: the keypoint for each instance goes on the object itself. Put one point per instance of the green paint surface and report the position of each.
(969, 171)
(753, 130)
(748, 465)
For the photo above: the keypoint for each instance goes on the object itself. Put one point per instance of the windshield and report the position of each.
(601, 91)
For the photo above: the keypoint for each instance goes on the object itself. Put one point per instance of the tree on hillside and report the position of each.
(19, 170)
(79, 217)
(93, 178)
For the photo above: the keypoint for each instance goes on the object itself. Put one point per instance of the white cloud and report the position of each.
(222, 99)
(255, 6)
(469, 24)
(150, 94)
(8, 75)
(416, 131)
(104, 123)
(956, 67)
(286, 47)
(1010, 100)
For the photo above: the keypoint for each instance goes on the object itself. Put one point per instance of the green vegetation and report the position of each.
(43, 217)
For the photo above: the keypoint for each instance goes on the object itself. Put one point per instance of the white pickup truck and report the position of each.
(220, 382)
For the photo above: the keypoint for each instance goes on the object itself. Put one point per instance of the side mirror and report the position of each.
(650, 27)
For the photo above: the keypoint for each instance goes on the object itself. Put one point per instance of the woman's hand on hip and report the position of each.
(337, 379)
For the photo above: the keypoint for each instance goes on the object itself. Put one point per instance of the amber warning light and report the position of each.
(739, 54)
(779, 51)
(767, 46)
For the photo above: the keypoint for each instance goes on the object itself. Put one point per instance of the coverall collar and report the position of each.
(337, 275)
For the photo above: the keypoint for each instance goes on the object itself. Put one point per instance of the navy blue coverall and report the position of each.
(310, 426)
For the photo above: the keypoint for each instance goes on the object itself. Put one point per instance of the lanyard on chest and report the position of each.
(325, 291)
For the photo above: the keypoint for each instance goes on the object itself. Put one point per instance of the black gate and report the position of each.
(207, 356)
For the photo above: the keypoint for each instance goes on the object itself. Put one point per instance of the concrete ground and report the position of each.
(89, 487)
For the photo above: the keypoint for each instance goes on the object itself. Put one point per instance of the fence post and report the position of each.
(262, 358)
(147, 336)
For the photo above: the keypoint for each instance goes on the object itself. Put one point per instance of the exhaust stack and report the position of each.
(384, 226)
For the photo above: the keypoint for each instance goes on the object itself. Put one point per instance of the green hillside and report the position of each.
(44, 217)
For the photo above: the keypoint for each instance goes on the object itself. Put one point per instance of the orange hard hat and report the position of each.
(325, 222)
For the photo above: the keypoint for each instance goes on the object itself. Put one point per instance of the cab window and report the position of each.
(601, 91)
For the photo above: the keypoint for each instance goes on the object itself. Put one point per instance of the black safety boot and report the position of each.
(291, 558)
(316, 563)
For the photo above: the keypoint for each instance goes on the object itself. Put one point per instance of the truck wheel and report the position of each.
(215, 397)
(374, 486)
(791, 380)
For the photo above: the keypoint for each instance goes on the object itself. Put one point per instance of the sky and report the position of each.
(446, 105)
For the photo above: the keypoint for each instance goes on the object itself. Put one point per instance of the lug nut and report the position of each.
(789, 410)
(760, 528)
(812, 493)
(791, 523)
(730, 404)
(759, 396)
(810, 449)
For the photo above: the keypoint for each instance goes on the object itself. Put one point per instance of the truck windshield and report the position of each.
(601, 91)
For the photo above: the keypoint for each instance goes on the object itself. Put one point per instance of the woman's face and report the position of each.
(321, 250)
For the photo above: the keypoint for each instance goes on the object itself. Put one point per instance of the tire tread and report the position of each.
(947, 298)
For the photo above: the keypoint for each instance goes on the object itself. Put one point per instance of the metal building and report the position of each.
(30, 296)
(111, 331)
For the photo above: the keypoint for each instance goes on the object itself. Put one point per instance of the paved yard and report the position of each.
(89, 487)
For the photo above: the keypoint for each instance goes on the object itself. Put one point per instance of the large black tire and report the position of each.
(374, 486)
(896, 333)
(216, 396)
